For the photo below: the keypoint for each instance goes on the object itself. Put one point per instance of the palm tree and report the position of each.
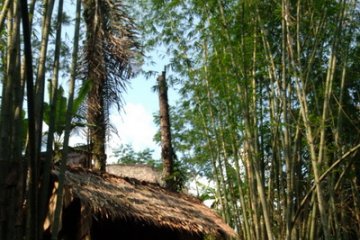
(110, 48)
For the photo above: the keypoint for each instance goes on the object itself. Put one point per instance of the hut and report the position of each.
(104, 206)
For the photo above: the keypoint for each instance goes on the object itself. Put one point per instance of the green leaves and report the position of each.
(127, 155)
(245, 70)
(61, 108)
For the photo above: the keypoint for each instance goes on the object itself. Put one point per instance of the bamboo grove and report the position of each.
(84, 58)
(269, 109)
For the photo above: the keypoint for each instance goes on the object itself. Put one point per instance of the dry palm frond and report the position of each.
(111, 46)
(109, 57)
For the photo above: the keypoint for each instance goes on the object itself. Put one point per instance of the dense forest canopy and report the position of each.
(269, 108)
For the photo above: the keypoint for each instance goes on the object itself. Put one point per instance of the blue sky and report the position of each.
(135, 124)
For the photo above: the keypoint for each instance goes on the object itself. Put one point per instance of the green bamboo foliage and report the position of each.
(266, 89)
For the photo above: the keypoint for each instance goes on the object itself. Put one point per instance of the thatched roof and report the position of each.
(112, 197)
(141, 172)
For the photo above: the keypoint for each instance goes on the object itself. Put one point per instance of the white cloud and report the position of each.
(135, 126)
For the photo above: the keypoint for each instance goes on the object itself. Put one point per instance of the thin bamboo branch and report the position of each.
(31, 116)
(69, 112)
(3, 13)
(323, 176)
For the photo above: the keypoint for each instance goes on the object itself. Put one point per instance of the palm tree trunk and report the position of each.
(97, 128)
(95, 74)
(167, 154)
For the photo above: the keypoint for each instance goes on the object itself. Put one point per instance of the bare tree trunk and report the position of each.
(167, 153)
(97, 128)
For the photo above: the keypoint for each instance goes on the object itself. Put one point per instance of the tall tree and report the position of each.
(167, 152)
(110, 49)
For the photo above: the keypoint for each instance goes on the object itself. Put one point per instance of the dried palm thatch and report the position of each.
(115, 198)
(141, 172)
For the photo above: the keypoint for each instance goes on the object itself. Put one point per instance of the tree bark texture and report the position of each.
(96, 74)
(167, 154)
